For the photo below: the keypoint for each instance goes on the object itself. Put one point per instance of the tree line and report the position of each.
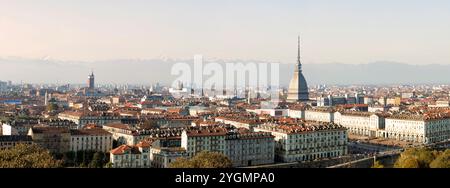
(420, 158)
(204, 159)
(34, 156)
(84, 159)
(423, 158)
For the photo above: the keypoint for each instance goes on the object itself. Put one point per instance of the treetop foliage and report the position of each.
(27, 156)
(204, 159)
(423, 158)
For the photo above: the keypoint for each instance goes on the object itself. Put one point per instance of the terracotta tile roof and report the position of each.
(206, 123)
(174, 110)
(92, 131)
(15, 138)
(299, 129)
(118, 126)
(207, 131)
(247, 135)
(143, 144)
(241, 118)
(50, 130)
(87, 113)
(125, 149)
(153, 110)
(427, 116)
(353, 113)
(120, 150)
(355, 105)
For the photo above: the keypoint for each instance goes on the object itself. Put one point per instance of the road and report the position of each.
(357, 147)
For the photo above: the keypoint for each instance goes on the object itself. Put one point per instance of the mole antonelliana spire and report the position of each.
(298, 88)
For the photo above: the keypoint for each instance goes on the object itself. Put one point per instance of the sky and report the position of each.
(344, 31)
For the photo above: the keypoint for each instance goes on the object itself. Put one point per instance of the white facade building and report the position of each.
(304, 143)
(250, 148)
(239, 122)
(204, 139)
(137, 156)
(162, 157)
(244, 148)
(98, 118)
(418, 128)
(16, 129)
(360, 123)
(95, 139)
(122, 133)
(318, 115)
(296, 113)
(10, 130)
(313, 114)
(271, 112)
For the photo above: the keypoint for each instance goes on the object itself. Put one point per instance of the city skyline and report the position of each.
(99, 30)
(144, 72)
(241, 86)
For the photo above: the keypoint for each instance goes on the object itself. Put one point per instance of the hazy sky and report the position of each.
(347, 31)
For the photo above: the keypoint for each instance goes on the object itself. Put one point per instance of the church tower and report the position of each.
(91, 79)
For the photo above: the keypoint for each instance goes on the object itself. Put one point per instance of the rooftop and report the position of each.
(298, 129)
(92, 131)
(42, 129)
(130, 149)
(242, 118)
(428, 116)
(210, 131)
(244, 135)
(125, 149)
(118, 126)
(320, 109)
(170, 149)
(356, 113)
(15, 138)
(87, 113)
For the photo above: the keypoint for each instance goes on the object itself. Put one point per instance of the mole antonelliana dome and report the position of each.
(298, 88)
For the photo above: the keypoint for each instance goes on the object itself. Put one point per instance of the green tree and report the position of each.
(27, 156)
(87, 157)
(181, 163)
(424, 157)
(204, 159)
(69, 159)
(416, 158)
(377, 164)
(211, 160)
(108, 165)
(52, 107)
(442, 161)
(106, 157)
(406, 161)
(97, 160)
(78, 158)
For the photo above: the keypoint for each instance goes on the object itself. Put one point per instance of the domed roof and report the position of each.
(302, 85)
(298, 88)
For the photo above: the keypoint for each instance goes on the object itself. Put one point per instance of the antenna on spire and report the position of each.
(299, 63)
(298, 55)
